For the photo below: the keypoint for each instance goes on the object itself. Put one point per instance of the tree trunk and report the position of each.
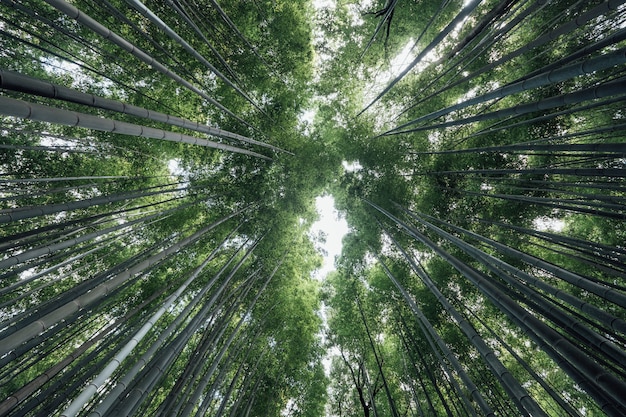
(608, 89)
(138, 5)
(473, 389)
(580, 20)
(462, 15)
(27, 332)
(89, 22)
(39, 112)
(604, 380)
(18, 82)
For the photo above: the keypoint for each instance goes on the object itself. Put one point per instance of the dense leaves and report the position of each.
(159, 164)
(479, 166)
(101, 229)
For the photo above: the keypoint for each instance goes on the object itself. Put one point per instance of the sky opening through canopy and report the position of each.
(332, 227)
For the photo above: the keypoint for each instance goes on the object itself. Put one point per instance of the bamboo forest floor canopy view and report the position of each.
(159, 169)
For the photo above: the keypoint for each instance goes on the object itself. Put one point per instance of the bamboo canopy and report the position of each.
(161, 164)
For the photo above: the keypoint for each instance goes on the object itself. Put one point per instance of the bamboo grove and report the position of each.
(157, 186)
(153, 239)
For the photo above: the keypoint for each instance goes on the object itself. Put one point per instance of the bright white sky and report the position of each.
(334, 228)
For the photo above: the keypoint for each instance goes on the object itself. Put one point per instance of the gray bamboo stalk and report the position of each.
(113, 396)
(608, 89)
(182, 13)
(96, 247)
(202, 409)
(248, 378)
(30, 315)
(378, 360)
(446, 375)
(28, 389)
(125, 381)
(416, 373)
(409, 381)
(144, 10)
(579, 172)
(49, 282)
(31, 180)
(244, 365)
(231, 387)
(463, 13)
(174, 409)
(138, 394)
(160, 47)
(90, 364)
(607, 293)
(21, 238)
(601, 257)
(221, 316)
(208, 395)
(218, 329)
(90, 390)
(615, 268)
(215, 362)
(167, 355)
(598, 341)
(509, 383)
(602, 399)
(581, 245)
(604, 147)
(425, 368)
(17, 321)
(487, 21)
(55, 247)
(39, 112)
(609, 320)
(31, 191)
(10, 364)
(596, 373)
(482, 46)
(580, 19)
(500, 125)
(180, 393)
(566, 28)
(558, 203)
(31, 330)
(143, 382)
(252, 397)
(19, 82)
(22, 213)
(597, 346)
(55, 149)
(541, 381)
(82, 287)
(220, 378)
(473, 389)
(389, 9)
(607, 201)
(89, 22)
(50, 397)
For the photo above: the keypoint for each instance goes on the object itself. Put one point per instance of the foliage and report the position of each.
(157, 184)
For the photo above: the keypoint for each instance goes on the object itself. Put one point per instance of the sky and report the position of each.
(334, 228)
